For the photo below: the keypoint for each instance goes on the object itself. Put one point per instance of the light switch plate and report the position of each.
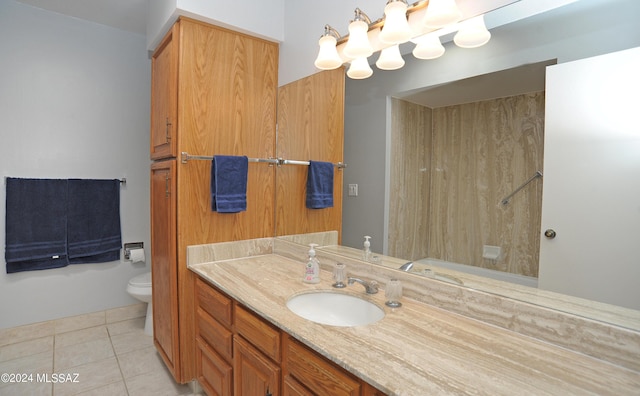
(353, 190)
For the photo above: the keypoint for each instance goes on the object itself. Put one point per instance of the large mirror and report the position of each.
(518, 53)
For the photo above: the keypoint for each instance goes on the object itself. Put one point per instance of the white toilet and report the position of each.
(140, 288)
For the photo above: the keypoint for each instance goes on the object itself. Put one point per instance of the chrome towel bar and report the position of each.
(185, 157)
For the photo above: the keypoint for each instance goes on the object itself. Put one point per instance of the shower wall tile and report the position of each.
(479, 153)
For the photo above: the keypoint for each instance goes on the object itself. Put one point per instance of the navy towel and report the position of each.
(320, 185)
(93, 221)
(229, 183)
(36, 226)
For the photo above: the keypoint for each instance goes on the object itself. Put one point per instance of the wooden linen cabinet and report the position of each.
(214, 91)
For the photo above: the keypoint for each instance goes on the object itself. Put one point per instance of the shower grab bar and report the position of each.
(506, 199)
(277, 161)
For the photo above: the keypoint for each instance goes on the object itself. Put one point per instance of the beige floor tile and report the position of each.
(26, 348)
(81, 336)
(26, 332)
(156, 383)
(113, 389)
(126, 313)
(32, 364)
(124, 343)
(139, 362)
(28, 389)
(80, 322)
(90, 376)
(126, 326)
(74, 355)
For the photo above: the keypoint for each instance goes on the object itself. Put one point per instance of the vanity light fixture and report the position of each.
(441, 13)
(359, 69)
(422, 23)
(358, 45)
(328, 58)
(428, 46)
(396, 27)
(390, 58)
(472, 33)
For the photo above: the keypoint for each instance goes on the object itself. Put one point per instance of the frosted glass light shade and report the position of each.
(428, 47)
(473, 33)
(328, 58)
(390, 58)
(358, 45)
(359, 69)
(441, 13)
(396, 28)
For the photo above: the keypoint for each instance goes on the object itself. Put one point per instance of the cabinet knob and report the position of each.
(550, 233)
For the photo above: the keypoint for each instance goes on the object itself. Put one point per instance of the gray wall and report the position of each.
(74, 102)
(579, 30)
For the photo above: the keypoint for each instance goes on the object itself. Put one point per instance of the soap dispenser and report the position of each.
(312, 269)
(366, 253)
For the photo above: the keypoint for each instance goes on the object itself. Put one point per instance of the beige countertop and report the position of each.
(418, 349)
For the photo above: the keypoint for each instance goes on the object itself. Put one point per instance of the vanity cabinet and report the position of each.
(214, 339)
(213, 92)
(240, 353)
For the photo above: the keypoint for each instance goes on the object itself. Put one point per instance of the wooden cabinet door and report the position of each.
(253, 373)
(164, 270)
(164, 96)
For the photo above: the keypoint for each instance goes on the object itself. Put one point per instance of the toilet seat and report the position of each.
(142, 280)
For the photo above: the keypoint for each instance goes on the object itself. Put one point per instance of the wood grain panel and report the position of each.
(481, 152)
(410, 178)
(310, 127)
(226, 105)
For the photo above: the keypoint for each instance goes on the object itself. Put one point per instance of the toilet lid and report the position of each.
(142, 280)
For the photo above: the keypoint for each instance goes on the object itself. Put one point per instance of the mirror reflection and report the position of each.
(441, 208)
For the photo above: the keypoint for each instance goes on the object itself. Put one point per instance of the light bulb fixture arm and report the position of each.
(361, 16)
(329, 31)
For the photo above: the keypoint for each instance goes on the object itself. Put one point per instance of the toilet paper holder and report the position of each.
(132, 245)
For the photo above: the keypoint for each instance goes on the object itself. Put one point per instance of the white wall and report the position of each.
(579, 30)
(74, 102)
(256, 17)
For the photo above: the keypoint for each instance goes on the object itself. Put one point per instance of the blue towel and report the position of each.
(93, 221)
(229, 183)
(320, 185)
(36, 227)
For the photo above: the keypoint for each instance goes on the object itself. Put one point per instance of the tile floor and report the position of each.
(104, 353)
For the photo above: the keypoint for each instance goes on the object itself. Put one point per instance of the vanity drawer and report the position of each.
(214, 374)
(318, 374)
(216, 304)
(261, 334)
(215, 334)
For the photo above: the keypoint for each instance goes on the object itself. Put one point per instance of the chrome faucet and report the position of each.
(406, 266)
(371, 286)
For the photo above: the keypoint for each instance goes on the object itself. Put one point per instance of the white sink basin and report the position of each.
(335, 309)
